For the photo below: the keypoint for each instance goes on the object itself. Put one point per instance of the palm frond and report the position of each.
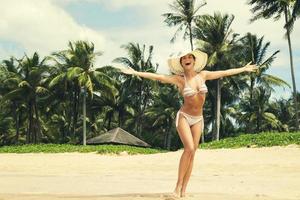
(74, 72)
(274, 80)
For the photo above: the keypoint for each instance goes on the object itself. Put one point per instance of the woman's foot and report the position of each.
(177, 191)
(182, 193)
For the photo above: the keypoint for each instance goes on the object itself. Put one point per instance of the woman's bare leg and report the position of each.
(196, 133)
(185, 135)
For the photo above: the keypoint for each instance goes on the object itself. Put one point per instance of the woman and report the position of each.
(190, 80)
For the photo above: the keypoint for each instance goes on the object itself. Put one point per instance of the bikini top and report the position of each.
(189, 91)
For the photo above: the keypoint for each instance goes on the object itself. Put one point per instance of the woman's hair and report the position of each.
(182, 56)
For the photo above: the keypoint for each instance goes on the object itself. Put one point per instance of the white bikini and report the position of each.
(189, 91)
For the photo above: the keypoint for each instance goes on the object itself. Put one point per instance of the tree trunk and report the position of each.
(33, 125)
(69, 131)
(18, 127)
(292, 72)
(109, 121)
(75, 111)
(251, 88)
(191, 36)
(33, 128)
(15, 113)
(119, 118)
(218, 111)
(165, 138)
(37, 125)
(29, 130)
(84, 116)
(169, 136)
(144, 106)
(259, 120)
(139, 119)
(69, 112)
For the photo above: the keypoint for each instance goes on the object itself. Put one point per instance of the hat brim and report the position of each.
(200, 62)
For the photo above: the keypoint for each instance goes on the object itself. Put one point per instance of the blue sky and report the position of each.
(99, 17)
(47, 25)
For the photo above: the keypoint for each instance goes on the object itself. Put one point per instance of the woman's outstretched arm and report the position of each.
(172, 79)
(209, 75)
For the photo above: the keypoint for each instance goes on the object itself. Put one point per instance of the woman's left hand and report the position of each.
(250, 68)
(125, 70)
(128, 70)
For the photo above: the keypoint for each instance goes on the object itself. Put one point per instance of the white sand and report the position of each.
(224, 174)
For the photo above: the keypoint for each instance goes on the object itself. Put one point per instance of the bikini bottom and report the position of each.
(191, 120)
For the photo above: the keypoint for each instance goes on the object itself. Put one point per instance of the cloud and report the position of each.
(41, 26)
(151, 34)
(114, 5)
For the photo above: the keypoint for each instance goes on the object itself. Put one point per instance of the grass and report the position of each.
(64, 148)
(265, 139)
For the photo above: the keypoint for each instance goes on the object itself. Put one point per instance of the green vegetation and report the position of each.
(290, 11)
(67, 148)
(265, 139)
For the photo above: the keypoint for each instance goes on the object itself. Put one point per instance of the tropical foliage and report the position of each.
(275, 9)
(41, 98)
(184, 15)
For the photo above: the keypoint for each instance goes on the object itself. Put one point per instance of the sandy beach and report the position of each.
(223, 174)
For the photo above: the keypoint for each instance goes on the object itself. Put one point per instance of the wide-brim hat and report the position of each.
(200, 61)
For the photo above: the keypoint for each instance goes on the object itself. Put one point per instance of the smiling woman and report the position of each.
(190, 80)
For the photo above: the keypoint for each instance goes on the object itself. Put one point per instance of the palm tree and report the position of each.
(255, 50)
(114, 103)
(59, 101)
(138, 90)
(275, 9)
(163, 112)
(33, 73)
(9, 82)
(217, 39)
(78, 62)
(295, 15)
(185, 13)
(256, 113)
(284, 112)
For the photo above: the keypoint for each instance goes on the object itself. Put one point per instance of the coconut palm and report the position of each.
(138, 90)
(284, 112)
(215, 37)
(294, 16)
(6, 120)
(255, 49)
(275, 9)
(185, 12)
(8, 82)
(256, 114)
(79, 72)
(5, 130)
(115, 103)
(163, 112)
(31, 86)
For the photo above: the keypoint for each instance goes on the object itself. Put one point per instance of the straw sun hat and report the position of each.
(200, 62)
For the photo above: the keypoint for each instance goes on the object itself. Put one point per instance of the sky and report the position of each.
(46, 26)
